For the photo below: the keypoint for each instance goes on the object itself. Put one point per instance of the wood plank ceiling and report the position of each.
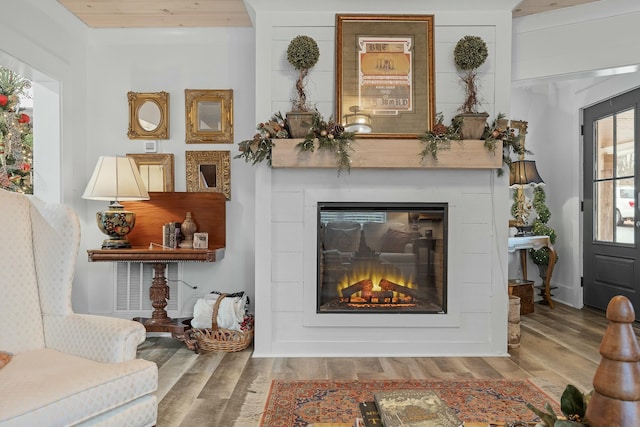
(210, 13)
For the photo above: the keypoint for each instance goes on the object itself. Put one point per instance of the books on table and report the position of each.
(414, 408)
(370, 415)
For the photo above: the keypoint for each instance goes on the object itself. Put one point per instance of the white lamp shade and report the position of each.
(116, 179)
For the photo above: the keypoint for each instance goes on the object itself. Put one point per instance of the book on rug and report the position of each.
(370, 415)
(414, 408)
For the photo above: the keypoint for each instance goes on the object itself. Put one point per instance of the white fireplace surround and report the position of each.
(287, 323)
(373, 320)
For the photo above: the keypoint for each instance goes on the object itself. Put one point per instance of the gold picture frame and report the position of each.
(385, 71)
(156, 170)
(209, 171)
(209, 116)
(148, 115)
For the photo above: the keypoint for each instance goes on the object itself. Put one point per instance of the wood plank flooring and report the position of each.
(558, 347)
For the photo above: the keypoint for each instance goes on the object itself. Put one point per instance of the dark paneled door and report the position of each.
(611, 222)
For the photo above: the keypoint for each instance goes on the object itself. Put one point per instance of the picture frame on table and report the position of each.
(209, 171)
(385, 73)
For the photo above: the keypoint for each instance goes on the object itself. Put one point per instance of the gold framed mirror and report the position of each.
(156, 171)
(209, 171)
(209, 116)
(148, 115)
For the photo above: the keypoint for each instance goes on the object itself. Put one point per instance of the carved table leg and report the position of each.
(523, 263)
(159, 294)
(553, 256)
(159, 320)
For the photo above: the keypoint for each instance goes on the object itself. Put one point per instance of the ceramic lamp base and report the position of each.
(122, 243)
(116, 223)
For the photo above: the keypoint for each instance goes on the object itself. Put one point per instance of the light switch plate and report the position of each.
(150, 147)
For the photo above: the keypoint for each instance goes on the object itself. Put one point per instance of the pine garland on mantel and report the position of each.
(331, 136)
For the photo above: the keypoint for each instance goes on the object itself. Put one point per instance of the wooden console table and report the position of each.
(209, 213)
(535, 242)
(159, 291)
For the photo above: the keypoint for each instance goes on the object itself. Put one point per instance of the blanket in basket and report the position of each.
(231, 312)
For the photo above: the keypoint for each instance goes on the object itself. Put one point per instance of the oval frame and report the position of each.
(137, 100)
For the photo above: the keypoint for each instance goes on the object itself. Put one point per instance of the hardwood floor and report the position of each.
(558, 347)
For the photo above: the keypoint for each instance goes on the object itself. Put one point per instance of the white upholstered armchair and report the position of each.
(67, 368)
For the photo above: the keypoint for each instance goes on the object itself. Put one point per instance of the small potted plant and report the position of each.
(573, 404)
(303, 53)
(469, 54)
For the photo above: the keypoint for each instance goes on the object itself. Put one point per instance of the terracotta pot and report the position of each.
(299, 123)
(473, 125)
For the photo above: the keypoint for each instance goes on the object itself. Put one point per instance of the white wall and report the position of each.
(591, 47)
(153, 60)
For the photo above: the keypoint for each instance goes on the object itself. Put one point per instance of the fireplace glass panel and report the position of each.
(382, 257)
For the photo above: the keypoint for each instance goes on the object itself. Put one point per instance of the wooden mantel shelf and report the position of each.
(390, 153)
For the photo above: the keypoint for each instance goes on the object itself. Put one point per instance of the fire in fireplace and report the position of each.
(382, 257)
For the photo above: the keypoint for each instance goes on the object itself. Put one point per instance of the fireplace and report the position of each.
(381, 257)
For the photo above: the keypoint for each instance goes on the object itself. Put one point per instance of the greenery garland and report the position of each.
(330, 135)
(439, 138)
(511, 142)
(259, 148)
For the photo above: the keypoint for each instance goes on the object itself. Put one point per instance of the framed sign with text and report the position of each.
(385, 71)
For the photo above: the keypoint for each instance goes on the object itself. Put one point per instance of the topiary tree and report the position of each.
(469, 54)
(540, 227)
(303, 53)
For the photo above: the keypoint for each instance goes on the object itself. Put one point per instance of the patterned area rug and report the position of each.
(299, 403)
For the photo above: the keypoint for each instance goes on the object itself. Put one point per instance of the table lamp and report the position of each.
(115, 179)
(524, 173)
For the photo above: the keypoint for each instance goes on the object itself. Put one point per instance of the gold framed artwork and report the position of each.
(156, 170)
(209, 116)
(385, 71)
(209, 171)
(148, 115)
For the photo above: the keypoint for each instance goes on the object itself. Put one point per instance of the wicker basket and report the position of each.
(218, 339)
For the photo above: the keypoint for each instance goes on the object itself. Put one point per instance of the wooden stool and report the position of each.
(524, 290)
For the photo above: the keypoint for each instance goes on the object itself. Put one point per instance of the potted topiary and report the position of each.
(303, 53)
(540, 257)
(469, 54)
